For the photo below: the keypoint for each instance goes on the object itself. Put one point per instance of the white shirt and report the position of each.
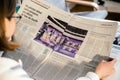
(12, 70)
(89, 76)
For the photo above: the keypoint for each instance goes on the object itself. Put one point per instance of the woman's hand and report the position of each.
(105, 69)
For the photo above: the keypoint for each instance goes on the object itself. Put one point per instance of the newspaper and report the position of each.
(56, 45)
(115, 53)
(116, 45)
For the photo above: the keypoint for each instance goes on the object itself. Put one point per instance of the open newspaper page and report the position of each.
(33, 33)
(98, 40)
(82, 45)
(56, 45)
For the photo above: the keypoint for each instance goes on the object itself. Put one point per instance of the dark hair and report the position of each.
(10, 6)
(7, 9)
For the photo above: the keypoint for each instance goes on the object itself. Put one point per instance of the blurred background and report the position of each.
(112, 7)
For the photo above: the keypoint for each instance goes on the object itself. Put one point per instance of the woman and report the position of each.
(12, 70)
(9, 69)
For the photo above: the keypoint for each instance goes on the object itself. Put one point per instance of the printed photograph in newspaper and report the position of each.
(52, 35)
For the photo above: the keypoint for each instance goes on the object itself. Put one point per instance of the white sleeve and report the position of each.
(12, 70)
(89, 76)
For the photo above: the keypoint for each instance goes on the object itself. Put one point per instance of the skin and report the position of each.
(105, 69)
(9, 27)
